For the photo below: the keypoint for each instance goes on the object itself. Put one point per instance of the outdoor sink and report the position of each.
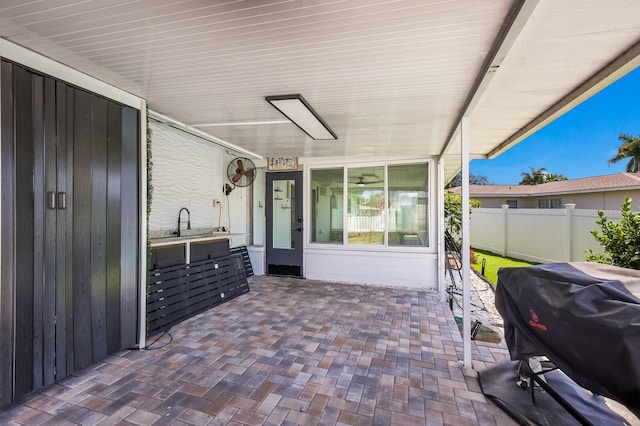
(173, 250)
(186, 238)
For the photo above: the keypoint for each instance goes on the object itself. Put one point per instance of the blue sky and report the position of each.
(579, 143)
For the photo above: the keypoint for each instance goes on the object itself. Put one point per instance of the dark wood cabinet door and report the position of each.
(69, 289)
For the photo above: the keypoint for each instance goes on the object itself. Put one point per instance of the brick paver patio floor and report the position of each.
(289, 352)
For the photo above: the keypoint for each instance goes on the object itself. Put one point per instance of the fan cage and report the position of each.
(233, 169)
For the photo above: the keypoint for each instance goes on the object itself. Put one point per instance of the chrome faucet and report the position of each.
(188, 220)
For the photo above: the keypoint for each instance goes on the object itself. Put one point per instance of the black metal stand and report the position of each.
(538, 379)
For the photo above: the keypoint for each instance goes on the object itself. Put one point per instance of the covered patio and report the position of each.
(288, 352)
(404, 85)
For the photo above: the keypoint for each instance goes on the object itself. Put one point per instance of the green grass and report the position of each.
(495, 262)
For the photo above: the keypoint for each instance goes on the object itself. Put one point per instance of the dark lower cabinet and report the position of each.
(69, 226)
(208, 250)
(161, 257)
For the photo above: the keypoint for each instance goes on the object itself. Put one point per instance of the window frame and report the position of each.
(345, 245)
(551, 203)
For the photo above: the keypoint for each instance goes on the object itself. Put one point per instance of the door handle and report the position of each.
(62, 200)
(51, 200)
(299, 229)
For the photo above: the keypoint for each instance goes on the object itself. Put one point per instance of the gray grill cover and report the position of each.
(584, 317)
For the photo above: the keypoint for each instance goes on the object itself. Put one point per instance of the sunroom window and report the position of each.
(366, 217)
(381, 205)
(408, 205)
(327, 205)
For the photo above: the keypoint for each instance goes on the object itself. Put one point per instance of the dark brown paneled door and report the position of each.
(36, 199)
(285, 224)
(68, 288)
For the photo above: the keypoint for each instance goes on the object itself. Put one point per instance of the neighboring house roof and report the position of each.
(614, 182)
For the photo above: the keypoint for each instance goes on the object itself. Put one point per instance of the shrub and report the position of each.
(473, 259)
(621, 241)
(453, 211)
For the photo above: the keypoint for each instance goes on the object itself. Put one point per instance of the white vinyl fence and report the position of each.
(537, 235)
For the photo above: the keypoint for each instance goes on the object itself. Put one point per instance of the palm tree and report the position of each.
(533, 178)
(630, 148)
(540, 176)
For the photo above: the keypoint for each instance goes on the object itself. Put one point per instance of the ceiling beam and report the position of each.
(504, 41)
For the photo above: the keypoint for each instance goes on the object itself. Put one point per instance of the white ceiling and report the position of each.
(391, 77)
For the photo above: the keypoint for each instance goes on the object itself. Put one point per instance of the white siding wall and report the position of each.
(259, 218)
(379, 268)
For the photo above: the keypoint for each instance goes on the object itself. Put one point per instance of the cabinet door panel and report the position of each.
(49, 294)
(68, 282)
(37, 120)
(82, 343)
(129, 223)
(114, 149)
(24, 260)
(98, 229)
(7, 277)
(63, 309)
(70, 105)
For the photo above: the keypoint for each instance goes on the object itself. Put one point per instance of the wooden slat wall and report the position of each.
(242, 250)
(180, 292)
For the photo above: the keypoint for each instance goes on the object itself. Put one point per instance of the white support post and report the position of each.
(466, 247)
(505, 230)
(442, 255)
(142, 236)
(570, 210)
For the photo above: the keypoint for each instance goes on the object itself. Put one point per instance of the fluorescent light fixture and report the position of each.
(296, 109)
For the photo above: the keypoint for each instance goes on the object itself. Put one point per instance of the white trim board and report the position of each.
(37, 62)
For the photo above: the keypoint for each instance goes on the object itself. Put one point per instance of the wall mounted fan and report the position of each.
(241, 172)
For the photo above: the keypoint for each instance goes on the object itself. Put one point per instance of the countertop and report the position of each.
(184, 239)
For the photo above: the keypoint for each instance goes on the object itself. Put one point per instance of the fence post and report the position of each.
(505, 212)
(570, 207)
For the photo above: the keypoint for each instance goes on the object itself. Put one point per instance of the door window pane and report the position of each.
(327, 206)
(408, 202)
(283, 214)
(366, 205)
